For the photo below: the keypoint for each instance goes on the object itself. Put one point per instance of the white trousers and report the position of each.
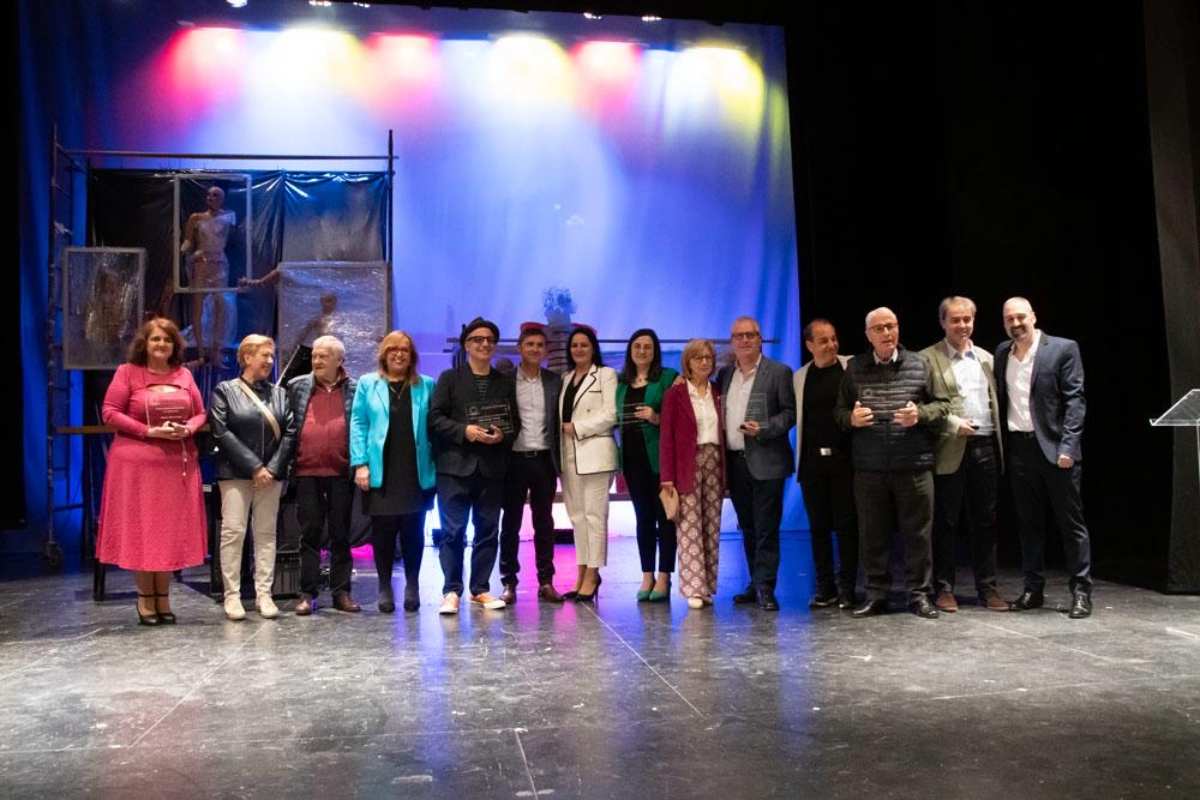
(241, 501)
(586, 499)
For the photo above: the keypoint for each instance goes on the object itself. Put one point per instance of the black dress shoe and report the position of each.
(1081, 607)
(845, 601)
(747, 597)
(1029, 599)
(387, 602)
(823, 600)
(923, 608)
(766, 600)
(871, 608)
(412, 597)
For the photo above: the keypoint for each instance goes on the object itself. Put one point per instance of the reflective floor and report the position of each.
(623, 700)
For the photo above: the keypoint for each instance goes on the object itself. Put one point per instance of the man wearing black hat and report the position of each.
(473, 423)
(533, 468)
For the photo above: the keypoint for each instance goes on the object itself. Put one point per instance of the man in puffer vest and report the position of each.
(889, 404)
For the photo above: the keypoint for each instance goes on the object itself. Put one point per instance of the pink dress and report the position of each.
(152, 510)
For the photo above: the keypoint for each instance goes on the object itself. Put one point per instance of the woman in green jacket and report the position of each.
(640, 390)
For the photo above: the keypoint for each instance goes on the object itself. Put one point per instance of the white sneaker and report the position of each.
(488, 601)
(449, 604)
(695, 602)
(267, 607)
(233, 608)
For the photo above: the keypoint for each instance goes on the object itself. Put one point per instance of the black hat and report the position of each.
(478, 322)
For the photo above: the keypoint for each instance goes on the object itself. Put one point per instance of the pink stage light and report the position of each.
(612, 64)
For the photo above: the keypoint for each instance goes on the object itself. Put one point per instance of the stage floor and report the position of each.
(626, 700)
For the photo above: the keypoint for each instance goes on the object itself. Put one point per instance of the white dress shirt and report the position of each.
(706, 415)
(531, 405)
(972, 387)
(1018, 375)
(736, 402)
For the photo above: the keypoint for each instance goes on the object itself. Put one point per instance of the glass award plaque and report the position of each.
(756, 408)
(169, 405)
(884, 399)
(494, 414)
(629, 416)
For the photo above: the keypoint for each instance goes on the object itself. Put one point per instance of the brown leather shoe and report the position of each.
(548, 593)
(343, 602)
(509, 595)
(306, 607)
(992, 601)
(947, 602)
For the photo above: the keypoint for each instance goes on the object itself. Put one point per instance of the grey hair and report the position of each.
(874, 311)
(333, 343)
(955, 300)
(745, 318)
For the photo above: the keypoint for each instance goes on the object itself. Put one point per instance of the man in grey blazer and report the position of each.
(969, 456)
(759, 410)
(823, 468)
(533, 468)
(1040, 389)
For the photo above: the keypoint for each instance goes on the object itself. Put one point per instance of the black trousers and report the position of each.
(480, 498)
(1036, 484)
(828, 486)
(759, 507)
(975, 486)
(655, 533)
(321, 500)
(889, 501)
(410, 530)
(529, 475)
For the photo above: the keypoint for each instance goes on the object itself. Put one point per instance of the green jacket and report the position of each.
(950, 446)
(654, 397)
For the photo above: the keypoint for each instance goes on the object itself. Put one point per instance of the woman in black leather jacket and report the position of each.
(255, 432)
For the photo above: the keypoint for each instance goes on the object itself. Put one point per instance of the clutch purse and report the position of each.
(670, 501)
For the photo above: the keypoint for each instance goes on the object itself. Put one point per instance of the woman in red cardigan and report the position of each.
(152, 510)
(691, 459)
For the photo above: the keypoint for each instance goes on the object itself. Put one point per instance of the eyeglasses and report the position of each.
(884, 327)
(745, 336)
(702, 358)
(481, 339)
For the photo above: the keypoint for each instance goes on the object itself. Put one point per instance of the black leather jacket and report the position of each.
(244, 440)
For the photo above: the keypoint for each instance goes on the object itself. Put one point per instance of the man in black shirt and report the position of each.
(823, 468)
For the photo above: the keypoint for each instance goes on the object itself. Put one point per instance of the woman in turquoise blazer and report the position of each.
(640, 390)
(392, 461)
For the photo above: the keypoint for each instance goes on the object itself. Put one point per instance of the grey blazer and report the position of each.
(798, 388)
(769, 455)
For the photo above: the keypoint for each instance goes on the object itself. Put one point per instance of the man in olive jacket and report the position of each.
(969, 454)
(889, 404)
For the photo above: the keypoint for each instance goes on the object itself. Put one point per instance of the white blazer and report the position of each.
(594, 416)
(798, 386)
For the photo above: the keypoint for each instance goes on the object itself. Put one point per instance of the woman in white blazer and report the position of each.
(587, 406)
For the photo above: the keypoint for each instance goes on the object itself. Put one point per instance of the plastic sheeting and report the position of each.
(103, 304)
(343, 299)
(309, 216)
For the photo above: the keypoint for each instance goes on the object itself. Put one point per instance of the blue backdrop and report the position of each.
(646, 167)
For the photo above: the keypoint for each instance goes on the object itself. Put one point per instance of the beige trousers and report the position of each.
(586, 499)
(241, 501)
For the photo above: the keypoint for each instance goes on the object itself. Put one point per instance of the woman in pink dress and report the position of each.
(152, 511)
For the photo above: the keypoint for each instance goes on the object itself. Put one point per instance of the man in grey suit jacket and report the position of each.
(759, 410)
(823, 468)
(969, 456)
(1042, 404)
(533, 468)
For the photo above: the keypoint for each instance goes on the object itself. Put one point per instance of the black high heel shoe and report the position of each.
(146, 620)
(164, 617)
(580, 597)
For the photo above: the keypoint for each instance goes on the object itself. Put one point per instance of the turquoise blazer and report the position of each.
(369, 427)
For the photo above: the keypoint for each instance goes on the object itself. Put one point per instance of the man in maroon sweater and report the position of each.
(321, 402)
